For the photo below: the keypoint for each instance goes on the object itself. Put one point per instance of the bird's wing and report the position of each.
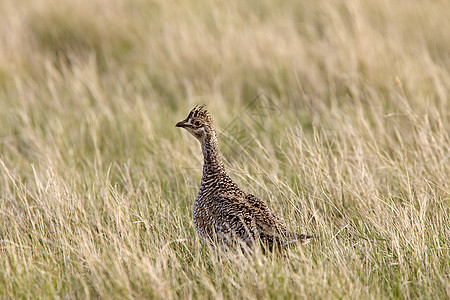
(248, 219)
(277, 228)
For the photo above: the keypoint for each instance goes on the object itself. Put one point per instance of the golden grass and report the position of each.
(336, 113)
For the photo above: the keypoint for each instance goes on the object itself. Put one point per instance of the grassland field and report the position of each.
(336, 113)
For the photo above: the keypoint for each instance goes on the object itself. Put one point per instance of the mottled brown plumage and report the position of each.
(222, 211)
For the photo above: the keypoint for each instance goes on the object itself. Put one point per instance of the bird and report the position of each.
(222, 212)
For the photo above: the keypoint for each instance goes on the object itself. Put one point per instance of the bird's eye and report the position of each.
(197, 123)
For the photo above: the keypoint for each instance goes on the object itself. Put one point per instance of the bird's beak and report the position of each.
(181, 124)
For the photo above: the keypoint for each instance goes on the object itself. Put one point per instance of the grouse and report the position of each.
(224, 213)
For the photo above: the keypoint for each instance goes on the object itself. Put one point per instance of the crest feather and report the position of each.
(199, 111)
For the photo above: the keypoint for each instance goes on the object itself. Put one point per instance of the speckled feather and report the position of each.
(222, 211)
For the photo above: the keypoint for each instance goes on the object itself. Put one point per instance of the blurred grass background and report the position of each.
(335, 112)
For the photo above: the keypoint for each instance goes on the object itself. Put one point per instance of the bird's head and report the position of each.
(198, 123)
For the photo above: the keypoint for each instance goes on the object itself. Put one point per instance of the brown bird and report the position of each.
(222, 211)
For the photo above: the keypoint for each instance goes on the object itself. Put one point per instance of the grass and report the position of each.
(336, 113)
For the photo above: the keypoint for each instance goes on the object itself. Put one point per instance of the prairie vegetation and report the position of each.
(336, 113)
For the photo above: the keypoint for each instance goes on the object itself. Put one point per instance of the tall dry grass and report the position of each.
(335, 112)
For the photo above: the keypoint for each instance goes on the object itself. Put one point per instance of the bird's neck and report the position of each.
(212, 159)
